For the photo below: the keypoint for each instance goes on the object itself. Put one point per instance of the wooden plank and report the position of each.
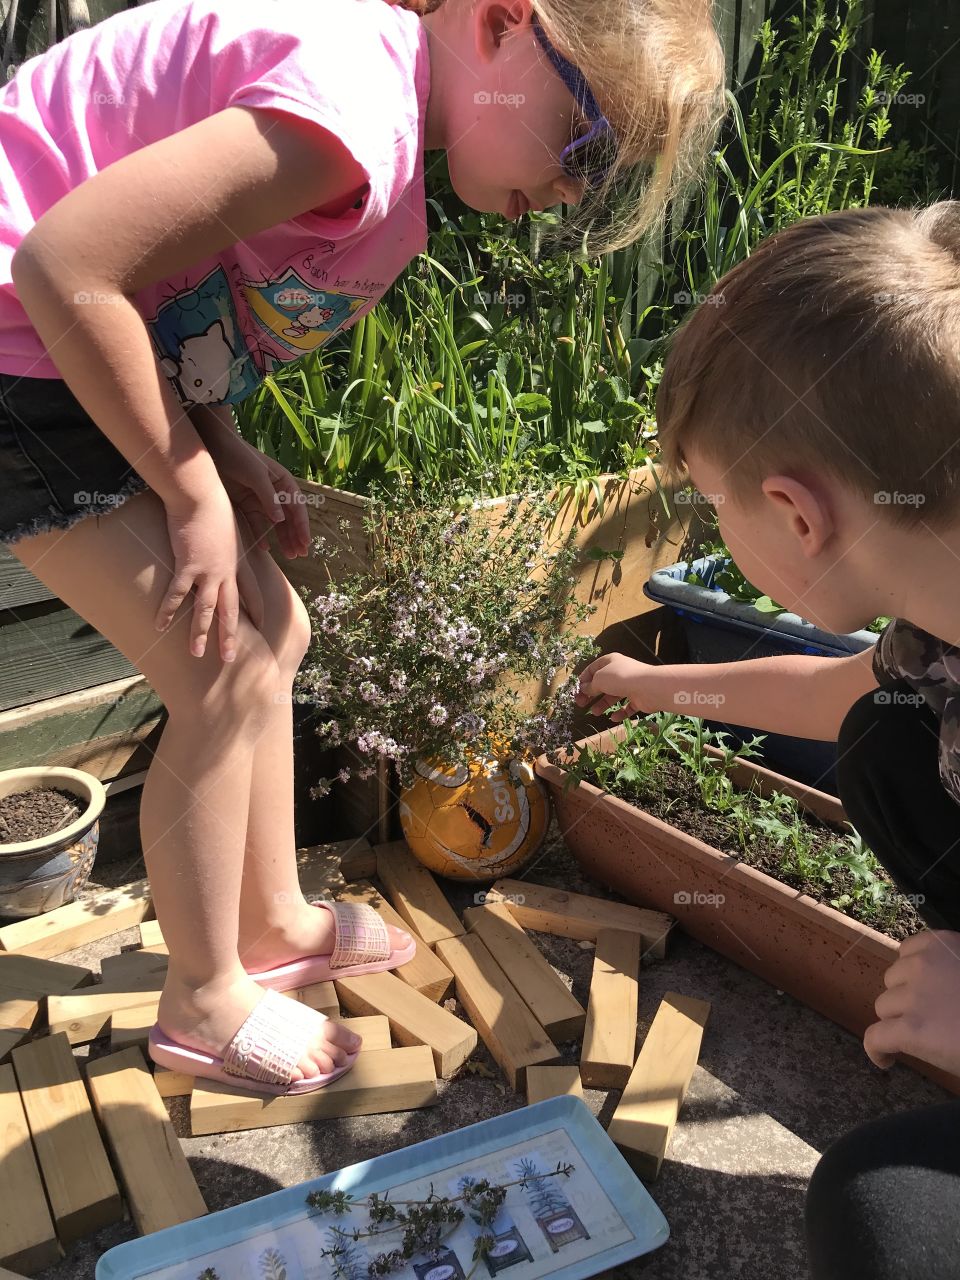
(10, 1037)
(100, 727)
(644, 1120)
(17, 1014)
(541, 989)
(114, 756)
(415, 894)
(80, 1184)
(157, 1182)
(27, 976)
(117, 970)
(577, 915)
(413, 1018)
(509, 1029)
(151, 939)
(26, 981)
(392, 1080)
(63, 929)
(329, 866)
(49, 649)
(610, 1036)
(27, 1236)
(357, 859)
(375, 1032)
(552, 1082)
(82, 1016)
(321, 996)
(130, 1025)
(17, 584)
(135, 978)
(426, 973)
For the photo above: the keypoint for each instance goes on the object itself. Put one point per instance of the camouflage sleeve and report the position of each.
(884, 667)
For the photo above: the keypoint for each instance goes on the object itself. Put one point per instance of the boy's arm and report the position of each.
(794, 694)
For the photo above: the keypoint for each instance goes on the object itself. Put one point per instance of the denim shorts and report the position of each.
(56, 465)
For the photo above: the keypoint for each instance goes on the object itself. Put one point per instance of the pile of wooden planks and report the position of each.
(57, 1181)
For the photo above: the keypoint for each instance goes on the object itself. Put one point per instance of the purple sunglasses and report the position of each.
(588, 158)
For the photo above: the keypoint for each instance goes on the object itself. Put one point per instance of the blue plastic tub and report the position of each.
(721, 629)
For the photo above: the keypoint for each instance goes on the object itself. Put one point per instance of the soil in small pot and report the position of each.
(677, 800)
(30, 815)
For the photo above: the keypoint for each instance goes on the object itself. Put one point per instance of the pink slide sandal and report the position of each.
(262, 1054)
(362, 946)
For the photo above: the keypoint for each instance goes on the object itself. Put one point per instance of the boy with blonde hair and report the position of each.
(815, 401)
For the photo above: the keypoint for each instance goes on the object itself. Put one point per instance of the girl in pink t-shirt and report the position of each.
(193, 193)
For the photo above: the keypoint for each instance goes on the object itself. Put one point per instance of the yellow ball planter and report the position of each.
(476, 822)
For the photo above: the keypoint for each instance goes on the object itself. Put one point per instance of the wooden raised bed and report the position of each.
(631, 520)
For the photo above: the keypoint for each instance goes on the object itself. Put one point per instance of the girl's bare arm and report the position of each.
(151, 215)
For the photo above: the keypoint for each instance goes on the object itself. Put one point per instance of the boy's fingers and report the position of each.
(883, 1041)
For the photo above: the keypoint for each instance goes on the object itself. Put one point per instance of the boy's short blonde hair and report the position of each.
(835, 347)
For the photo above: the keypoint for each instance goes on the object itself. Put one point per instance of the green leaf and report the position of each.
(531, 406)
(598, 553)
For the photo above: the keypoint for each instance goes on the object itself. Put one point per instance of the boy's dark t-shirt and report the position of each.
(932, 668)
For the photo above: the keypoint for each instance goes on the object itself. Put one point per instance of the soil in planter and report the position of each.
(42, 811)
(677, 801)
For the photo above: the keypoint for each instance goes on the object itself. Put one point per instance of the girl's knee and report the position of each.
(237, 691)
(297, 632)
(286, 622)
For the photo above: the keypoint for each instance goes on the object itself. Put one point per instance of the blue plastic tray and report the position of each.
(631, 1224)
(777, 633)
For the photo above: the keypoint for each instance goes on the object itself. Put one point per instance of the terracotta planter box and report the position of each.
(831, 962)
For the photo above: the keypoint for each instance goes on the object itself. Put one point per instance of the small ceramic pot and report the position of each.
(38, 875)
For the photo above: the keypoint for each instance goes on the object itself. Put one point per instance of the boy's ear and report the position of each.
(805, 511)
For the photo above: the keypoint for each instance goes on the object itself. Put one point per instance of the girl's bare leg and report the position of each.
(113, 570)
(276, 923)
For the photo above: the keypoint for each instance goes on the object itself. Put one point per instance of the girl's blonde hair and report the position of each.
(656, 69)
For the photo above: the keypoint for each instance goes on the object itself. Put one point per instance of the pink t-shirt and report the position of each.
(359, 68)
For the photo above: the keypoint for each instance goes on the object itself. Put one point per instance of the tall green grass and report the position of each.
(488, 367)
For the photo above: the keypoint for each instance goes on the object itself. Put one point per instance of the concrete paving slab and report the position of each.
(775, 1085)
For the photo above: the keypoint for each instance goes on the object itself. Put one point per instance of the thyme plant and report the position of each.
(421, 655)
(425, 1224)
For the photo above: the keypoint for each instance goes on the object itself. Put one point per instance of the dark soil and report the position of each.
(28, 815)
(678, 802)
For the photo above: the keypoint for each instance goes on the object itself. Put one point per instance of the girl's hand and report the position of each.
(613, 677)
(261, 488)
(920, 1009)
(209, 557)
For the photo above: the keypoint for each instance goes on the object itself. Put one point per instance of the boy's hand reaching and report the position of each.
(920, 1009)
(613, 678)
